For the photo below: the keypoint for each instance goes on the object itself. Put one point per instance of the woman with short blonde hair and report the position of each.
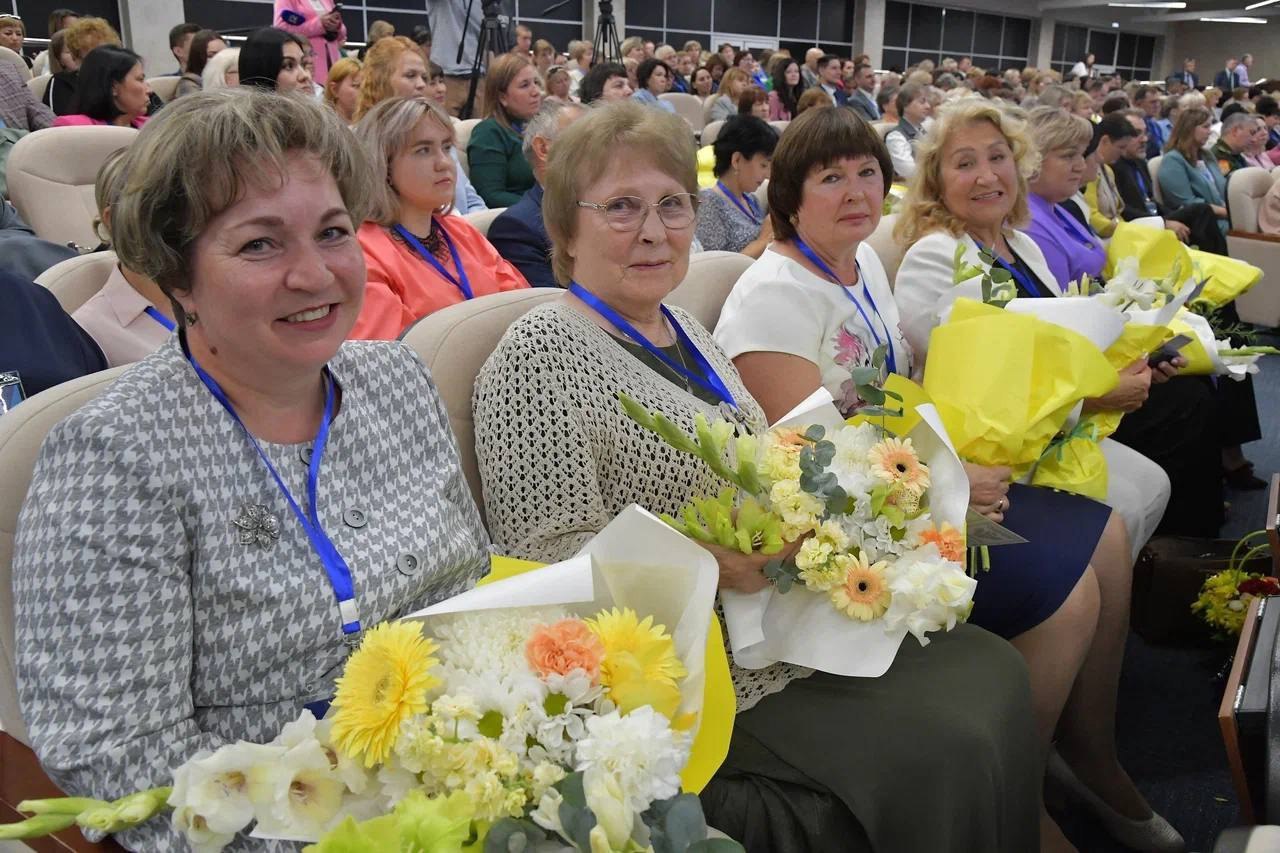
(342, 89)
(734, 82)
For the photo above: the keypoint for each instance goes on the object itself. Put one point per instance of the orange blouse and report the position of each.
(402, 288)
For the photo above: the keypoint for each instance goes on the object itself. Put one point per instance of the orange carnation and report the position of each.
(563, 647)
(950, 542)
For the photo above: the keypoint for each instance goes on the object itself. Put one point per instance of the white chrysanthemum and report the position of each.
(640, 750)
(510, 707)
(490, 641)
(929, 593)
(850, 464)
(570, 701)
(876, 540)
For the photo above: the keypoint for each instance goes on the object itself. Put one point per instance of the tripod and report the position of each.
(606, 46)
(490, 38)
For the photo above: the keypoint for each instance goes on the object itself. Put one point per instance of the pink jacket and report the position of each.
(79, 120)
(326, 52)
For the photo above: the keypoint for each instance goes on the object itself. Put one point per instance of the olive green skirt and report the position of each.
(938, 754)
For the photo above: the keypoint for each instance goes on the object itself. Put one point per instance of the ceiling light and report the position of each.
(1253, 6)
(1234, 20)
(1177, 4)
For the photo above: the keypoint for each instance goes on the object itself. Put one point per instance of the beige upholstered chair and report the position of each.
(710, 132)
(762, 195)
(22, 431)
(882, 128)
(1246, 190)
(16, 61)
(888, 249)
(779, 125)
(39, 85)
(482, 219)
(462, 135)
(688, 107)
(164, 87)
(51, 174)
(707, 284)
(1153, 166)
(74, 281)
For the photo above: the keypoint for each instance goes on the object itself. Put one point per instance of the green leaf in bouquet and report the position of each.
(637, 412)
(575, 817)
(670, 432)
(510, 834)
(781, 574)
(864, 375)
(815, 432)
(690, 525)
(675, 824)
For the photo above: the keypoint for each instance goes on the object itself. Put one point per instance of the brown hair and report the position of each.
(502, 71)
(380, 65)
(749, 98)
(810, 98)
(815, 140)
(1183, 136)
(384, 132)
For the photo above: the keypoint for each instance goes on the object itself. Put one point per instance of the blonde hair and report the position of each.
(346, 67)
(502, 71)
(630, 44)
(384, 132)
(733, 75)
(379, 30)
(215, 71)
(87, 33)
(380, 65)
(587, 148)
(923, 210)
(240, 136)
(1053, 129)
(106, 189)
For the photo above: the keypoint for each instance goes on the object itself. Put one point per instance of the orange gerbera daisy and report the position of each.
(865, 593)
(894, 460)
(949, 540)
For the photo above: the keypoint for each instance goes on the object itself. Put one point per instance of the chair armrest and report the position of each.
(1261, 304)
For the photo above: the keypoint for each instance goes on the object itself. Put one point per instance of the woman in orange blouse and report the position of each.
(419, 258)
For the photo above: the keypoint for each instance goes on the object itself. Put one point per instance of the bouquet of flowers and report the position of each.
(875, 532)
(1224, 597)
(481, 724)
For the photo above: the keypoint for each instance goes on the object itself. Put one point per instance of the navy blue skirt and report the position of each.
(1028, 582)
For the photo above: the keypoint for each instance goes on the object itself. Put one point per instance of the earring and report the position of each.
(190, 318)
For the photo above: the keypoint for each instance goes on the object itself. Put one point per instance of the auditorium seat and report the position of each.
(710, 132)
(1153, 166)
(779, 125)
(887, 248)
(15, 60)
(51, 174)
(39, 85)
(707, 284)
(74, 281)
(882, 128)
(482, 219)
(688, 107)
(22, 431)
(164, 87)
(1246, 190)
(462, 135)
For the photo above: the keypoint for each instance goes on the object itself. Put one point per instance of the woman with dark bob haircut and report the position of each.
(273, 59)
(729, 217)
(112, 90)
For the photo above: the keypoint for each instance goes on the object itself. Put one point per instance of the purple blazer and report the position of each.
(1070, 249)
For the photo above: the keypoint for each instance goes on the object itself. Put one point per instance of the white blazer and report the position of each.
(924, 289)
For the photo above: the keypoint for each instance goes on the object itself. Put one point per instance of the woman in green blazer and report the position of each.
(1186, 174)
(512, 96)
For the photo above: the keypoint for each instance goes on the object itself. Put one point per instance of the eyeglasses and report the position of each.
(628, 213)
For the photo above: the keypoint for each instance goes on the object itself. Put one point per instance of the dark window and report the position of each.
(1103, 47)
(1125, 49)
(957, 32)
(986, 34)
(896, 18)
(926, 27)
(1146, 49)
(800, 21)
(642, 15)
(835, 22)
(684, 16)
(1017, 38)
(894, 60)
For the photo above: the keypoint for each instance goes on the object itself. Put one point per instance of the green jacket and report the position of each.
(1228, 160)
(499, 171)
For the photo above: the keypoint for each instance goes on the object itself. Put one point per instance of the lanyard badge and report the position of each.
(460, 281)
(892, 360)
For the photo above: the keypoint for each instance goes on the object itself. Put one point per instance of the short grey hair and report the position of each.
(195, 158)
(384, 131)
(1053, 129)
(1235, 120)
(546, 124)
(215, 70)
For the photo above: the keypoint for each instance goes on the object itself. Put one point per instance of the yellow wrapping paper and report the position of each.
(719, 702)
(1199, 362)
(1005, 383)
(912, 395)
(1227, 277)
(1158, 249)
(1076, 465)
(706, 167)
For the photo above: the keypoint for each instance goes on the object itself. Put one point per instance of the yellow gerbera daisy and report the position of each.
(894, 460)
(383, 684)
(865, 593)
(640, 664)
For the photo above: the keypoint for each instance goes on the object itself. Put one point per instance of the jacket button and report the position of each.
(408, 563)
(304, 454)
(355, 518)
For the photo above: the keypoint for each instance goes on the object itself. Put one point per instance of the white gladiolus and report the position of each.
(305, 794)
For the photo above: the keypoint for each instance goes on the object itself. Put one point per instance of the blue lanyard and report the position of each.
(1027, 282)
(1073, 226)
(707, 378)
(334, 564)
(751, 209)
(465, 284)
(155, 314)
(804, 249)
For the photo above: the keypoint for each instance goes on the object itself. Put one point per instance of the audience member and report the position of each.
(886, 102)
(378, 29)
(606, 82)
(342, 89)
(1147, 99)
(205, 45)
(273, 59)
(81, 38)
(112, 89)
(558, 460)
(465, 198)
(754, 102)
(582, 54)
(557, 84)
(59, 20)
(702, 84)
(729, 217)
(320, 23)
(223, 71)
(12, 34)
(518, 233)
(912, 101)
(26, 255)
(18, 105)
(522, 41)
(632, 48)
(544, 56)
(1255, 151)
(1113, 138)
(1234, 138)
(1188, 173)
(395, 66)
(862, 100)
(654, 77)
(180, 37)
(809, 70)
(512, 96)
(40, 343)
(419, 259)
(815, 97)
(734, 82)
(788, 86)
(829, 79)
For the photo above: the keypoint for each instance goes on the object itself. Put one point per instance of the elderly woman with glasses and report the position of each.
(559, 459)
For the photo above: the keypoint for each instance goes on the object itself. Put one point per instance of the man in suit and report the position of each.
(863, 99)
(829, 78)
(39, 342)
(518, 233)
(1147, 99)
(1228, 78)
(1188, 74)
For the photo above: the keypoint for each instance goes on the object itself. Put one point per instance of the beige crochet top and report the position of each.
(559, 458)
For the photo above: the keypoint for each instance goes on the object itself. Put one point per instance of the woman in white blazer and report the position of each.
(970, 190)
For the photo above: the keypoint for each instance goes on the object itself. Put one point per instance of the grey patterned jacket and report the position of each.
(148, 628)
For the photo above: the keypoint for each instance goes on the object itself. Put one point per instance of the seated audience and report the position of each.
(1113, 138)
(112, 89)
(44, 346)
(1188, 173)
(222, 71)
(912, 102)
(342, 89)
(632, 48)
(46, 60)
(788, 86)
(557, 83)
(19, 107)
(12, 33)
(26, 255)
(608, 81)
(701, 83)
(544, 56)
(559, 459)
(378, 29)
(732, 85)
(80, 39)
(180, 36)
(465, 198)
(654, 77)
(205, 45)
(1233, 140)
(754, 102)
(518, 232)
(419, 259)
(275, 60)
(244, 388)
(511, 97)
(582, 54)
(811, 98)
(395, 66)
(1255, 150)
(729, 217)
(130, 317)
(321, 26)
